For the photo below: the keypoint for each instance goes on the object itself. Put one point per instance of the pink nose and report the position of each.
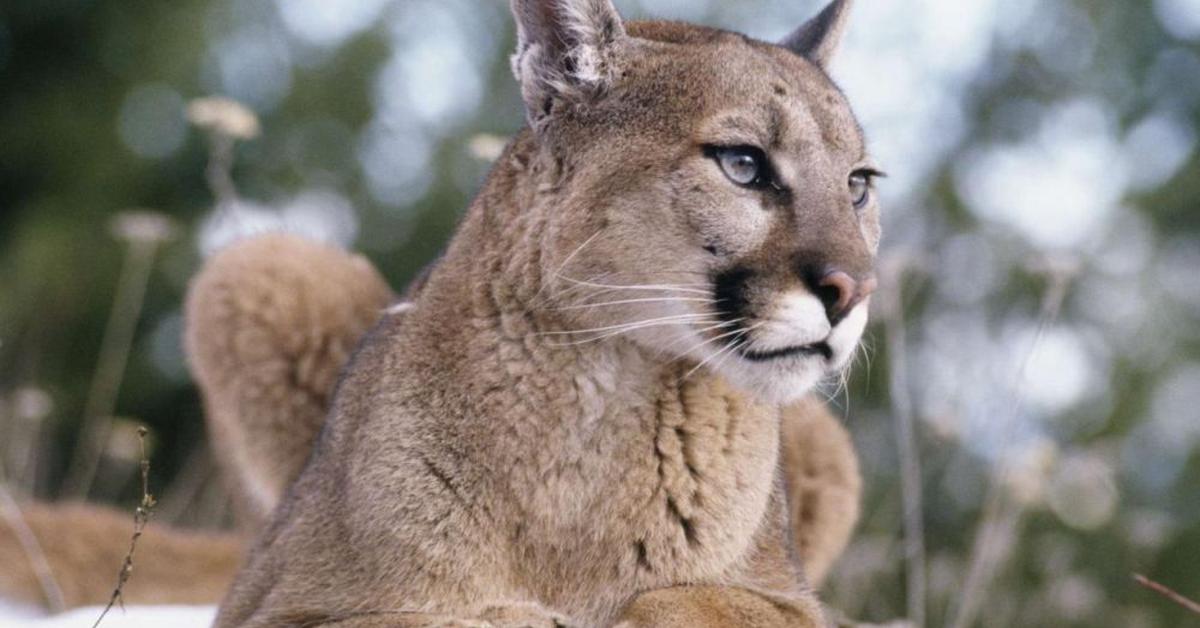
(840, 293)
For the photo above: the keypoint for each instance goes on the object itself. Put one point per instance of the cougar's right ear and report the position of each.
(564, 51)
(818, 39)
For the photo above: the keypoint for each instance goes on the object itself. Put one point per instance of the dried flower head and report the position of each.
(140, 225)
(225, 116)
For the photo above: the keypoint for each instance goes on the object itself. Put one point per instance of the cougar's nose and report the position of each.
(840, 293)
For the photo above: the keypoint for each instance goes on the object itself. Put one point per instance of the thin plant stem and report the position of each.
(219, 172)
(141, 517)
(110, 370)
(910, 464)
(15, 519)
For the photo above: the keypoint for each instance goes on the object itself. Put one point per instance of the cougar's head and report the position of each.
(712, 197)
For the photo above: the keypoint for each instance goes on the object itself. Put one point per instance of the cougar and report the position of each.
(576, 421)
(596, 409)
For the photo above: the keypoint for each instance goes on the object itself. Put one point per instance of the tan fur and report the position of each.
(479, 464)
(85, 546)
(270, 323)
(824, 485)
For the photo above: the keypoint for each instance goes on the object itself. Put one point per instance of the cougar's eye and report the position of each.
(860, 186)
(860, 189)
(744, 165)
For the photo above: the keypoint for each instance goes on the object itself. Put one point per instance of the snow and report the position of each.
(131, 617)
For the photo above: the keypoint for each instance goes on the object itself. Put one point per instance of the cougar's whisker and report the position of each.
(634, 327)
(735, 345)
(706, 341)
(673, 317)
(728, 348)
(582, 306)
(670, 287)
(675, 341)
(604, 288)
(724, 349)
(625, 330)
(558, 272)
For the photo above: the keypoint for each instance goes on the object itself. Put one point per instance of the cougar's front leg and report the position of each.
(768, 591)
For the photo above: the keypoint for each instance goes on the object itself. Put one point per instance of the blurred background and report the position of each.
(1029, 403)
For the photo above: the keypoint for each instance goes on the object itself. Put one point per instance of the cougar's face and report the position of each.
(733, 219)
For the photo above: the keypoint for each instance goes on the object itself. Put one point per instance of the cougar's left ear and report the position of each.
(818, 39)
(564, 50)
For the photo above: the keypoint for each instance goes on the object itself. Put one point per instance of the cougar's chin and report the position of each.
(783, 374)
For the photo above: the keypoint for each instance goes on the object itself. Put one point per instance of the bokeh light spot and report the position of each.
(151, 121)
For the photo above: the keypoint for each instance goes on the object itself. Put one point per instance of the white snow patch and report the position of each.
(132, 617)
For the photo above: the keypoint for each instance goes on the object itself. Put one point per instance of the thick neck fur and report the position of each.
(509, 299)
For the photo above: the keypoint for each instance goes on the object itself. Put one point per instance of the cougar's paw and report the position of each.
(523, 615)
(718, 607)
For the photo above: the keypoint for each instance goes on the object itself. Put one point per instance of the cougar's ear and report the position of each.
(818, 39)
(564, 50)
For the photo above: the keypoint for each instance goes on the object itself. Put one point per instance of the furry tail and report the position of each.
(271, 320)
(85, 546)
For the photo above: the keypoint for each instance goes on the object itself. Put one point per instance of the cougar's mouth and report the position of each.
(765, 355)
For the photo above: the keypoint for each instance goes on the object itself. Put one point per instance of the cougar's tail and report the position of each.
(271, 320)
(75, 552)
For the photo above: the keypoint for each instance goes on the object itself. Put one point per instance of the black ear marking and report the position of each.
(818, 39)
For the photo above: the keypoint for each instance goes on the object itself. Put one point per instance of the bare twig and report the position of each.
(141, 517)
(55, 601)
(910, 465)
(1168, 593)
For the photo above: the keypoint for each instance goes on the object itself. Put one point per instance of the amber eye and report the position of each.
(744, 165)
(860, 188)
